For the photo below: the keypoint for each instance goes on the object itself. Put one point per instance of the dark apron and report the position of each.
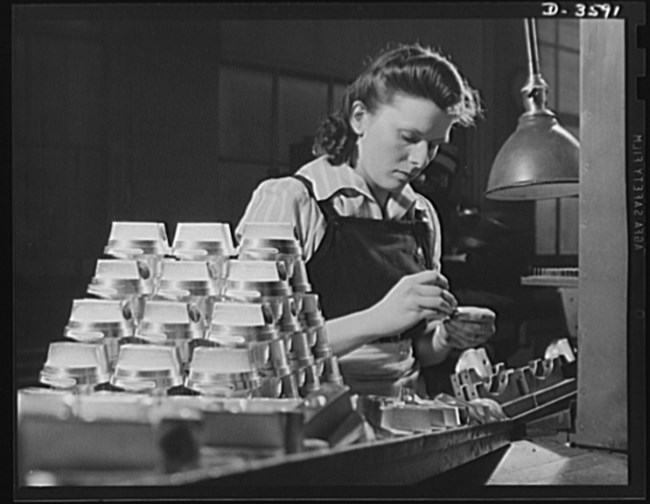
(358, 261)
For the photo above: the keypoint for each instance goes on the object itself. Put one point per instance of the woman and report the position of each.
(372, 244)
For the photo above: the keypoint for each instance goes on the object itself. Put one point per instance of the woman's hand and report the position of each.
(413, 298)
(469, 327)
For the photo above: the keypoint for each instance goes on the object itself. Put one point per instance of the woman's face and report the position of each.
(397, 141)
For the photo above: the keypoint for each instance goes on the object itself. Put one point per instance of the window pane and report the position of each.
(339, 91)
(302, 106)
(569, 93)
(569, 33)
(546, 29)
(545, 226)
(245, 114)
(569, 225)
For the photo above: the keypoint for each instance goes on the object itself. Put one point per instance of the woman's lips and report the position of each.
(402, 176)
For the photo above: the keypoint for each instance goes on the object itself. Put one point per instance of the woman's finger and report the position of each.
(431, 291)
(434, 291)
(435, 314)
(437, 304)
(431, 277)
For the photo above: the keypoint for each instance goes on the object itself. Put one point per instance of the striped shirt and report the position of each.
(286, 199)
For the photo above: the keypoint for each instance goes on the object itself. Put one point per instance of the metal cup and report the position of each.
(135, 239)
(147, 368)
(74, 365)
(224, 372)
(202, 241)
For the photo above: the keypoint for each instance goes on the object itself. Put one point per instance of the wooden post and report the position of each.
(602, 406)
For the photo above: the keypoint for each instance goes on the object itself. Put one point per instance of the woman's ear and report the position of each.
(358, 117)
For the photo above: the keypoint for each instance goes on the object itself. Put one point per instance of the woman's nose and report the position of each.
(419, 154)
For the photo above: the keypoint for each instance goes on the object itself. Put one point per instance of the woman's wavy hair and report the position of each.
(411, 69)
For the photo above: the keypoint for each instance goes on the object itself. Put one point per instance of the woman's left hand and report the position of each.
(471, 327)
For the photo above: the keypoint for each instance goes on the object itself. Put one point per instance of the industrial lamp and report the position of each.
(540, 160)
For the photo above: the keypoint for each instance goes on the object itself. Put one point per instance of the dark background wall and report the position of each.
(116, 116)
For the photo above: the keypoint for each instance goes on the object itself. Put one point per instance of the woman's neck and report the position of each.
(381, 195)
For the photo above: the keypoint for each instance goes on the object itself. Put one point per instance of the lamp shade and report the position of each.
(540, 160)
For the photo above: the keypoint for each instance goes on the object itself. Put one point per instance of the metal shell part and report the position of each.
(132, 239)
(195, 250)
(242, 323)
(266, 278)
(310, 313)
(197, 240)
(290, 246)
(72, 376)
(118, 278)
(147, 367)
(247, 290)
(299, 279)
(289, 322)
(331, 371)
(187, 278)
(71, 364)
(300, 351)
(99, 318)
(224, 384)
(157, 331)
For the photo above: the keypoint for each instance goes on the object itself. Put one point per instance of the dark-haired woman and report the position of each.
(372, 245)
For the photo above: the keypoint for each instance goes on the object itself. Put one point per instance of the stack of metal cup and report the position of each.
(252, 326)
(245, 326)
(313, 324)
(129, 280)
(192, 282)
(210, 242)
(301, 357)
(154, 305)
(300, 321)
(276, 241)
(102, 321)
(266, 283)
(144, 244)
(262, 282)
(143, 241)
(172, 323)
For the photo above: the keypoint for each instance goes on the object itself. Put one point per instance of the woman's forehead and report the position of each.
(419, 114)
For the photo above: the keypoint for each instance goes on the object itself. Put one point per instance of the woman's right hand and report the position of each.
(413, 298)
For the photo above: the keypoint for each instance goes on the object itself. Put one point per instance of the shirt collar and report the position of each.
(328, 180)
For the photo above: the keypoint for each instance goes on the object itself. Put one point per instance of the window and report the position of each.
(245, 100)
(556, 220)
(302, 105)
(267, 119)
(263, 111)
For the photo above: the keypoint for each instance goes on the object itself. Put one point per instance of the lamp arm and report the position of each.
(531, 46)
(534, 91)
